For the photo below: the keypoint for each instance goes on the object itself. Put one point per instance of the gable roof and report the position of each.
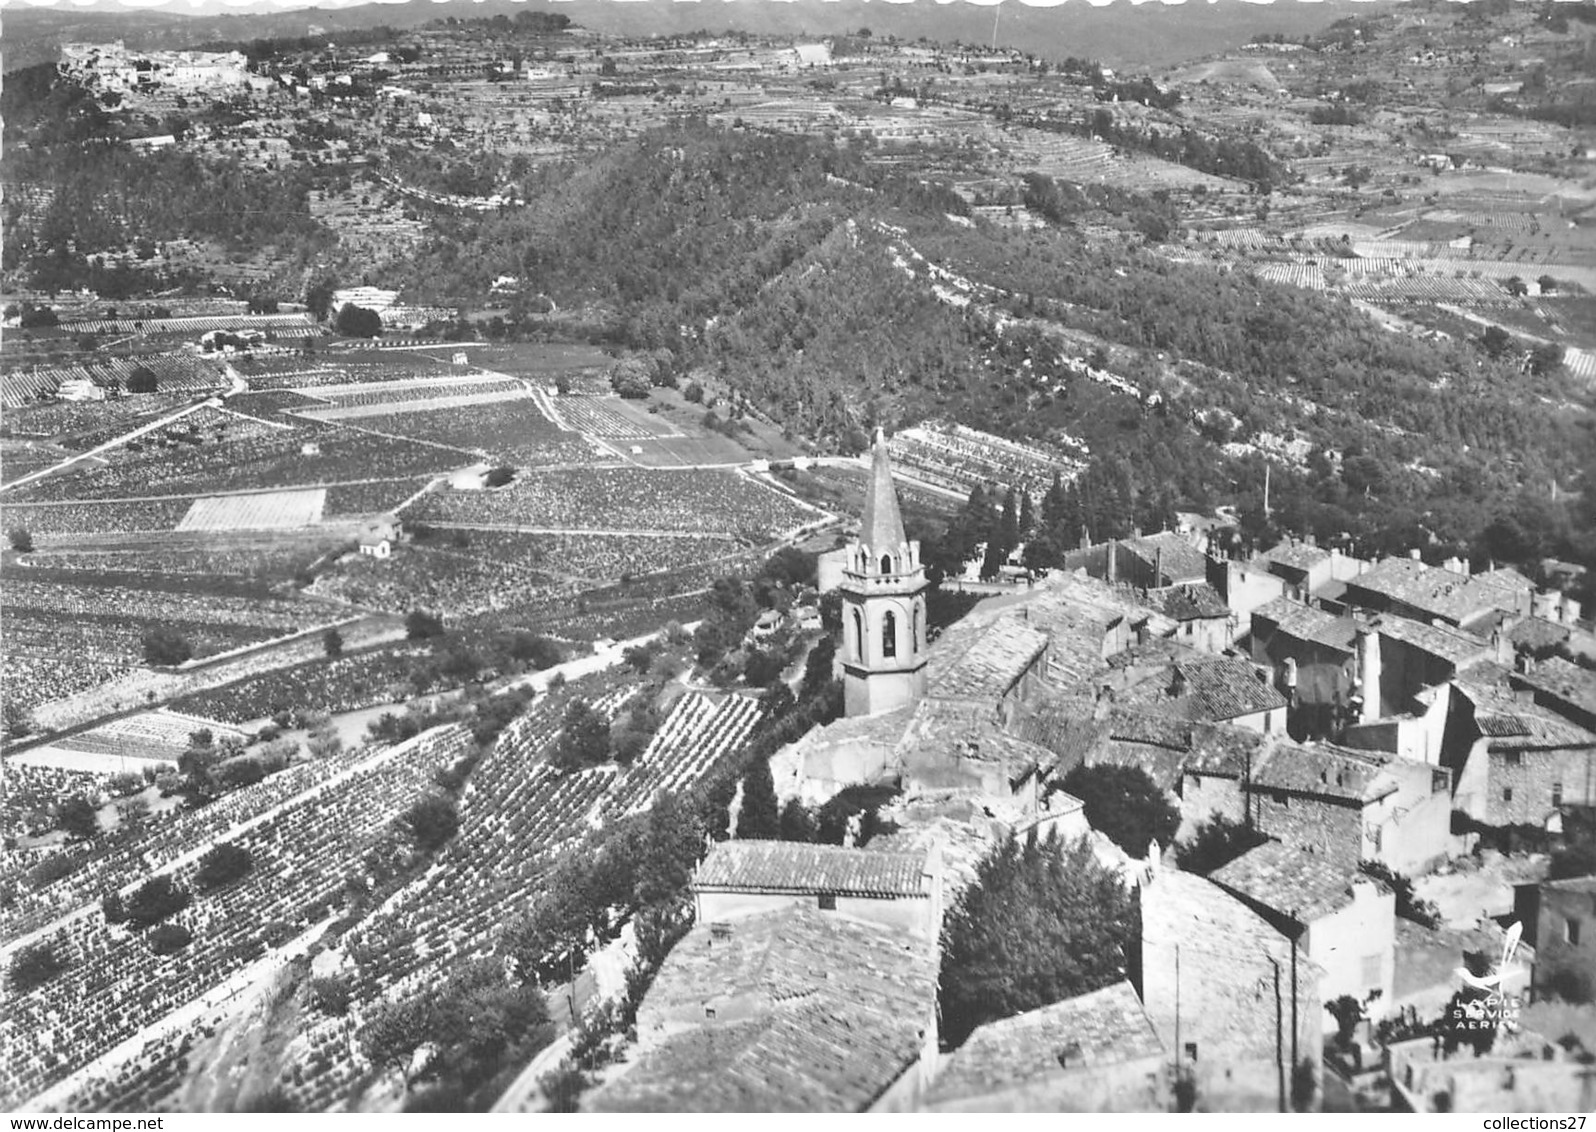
(1193, 602)
(1292, 880)
(983, 661)
(797, 867)
(1294, 556)
(1324, 771)
(1088, 1033)
(1436, 592)
(1227, 687)
(1537, 633)
(882, 528)
(828, 1011)
(1454, 646)
(1510, 723)
(1179, 560)
(1562, 680)
(1308, 624)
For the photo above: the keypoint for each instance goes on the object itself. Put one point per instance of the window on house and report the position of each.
(1513, 758)
(858, 634)
(709, 1012)
(828, 901)
(889, 634)
(1191, 1051)
(1557, 795)
(1372, 969)
(1571, 932)
(1507, 794)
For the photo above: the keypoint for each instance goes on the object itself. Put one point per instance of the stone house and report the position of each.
(1342, 919)
(901, 891)
(1313, 655)
(1227, 994)
(1097, 1052)
(1559, 918)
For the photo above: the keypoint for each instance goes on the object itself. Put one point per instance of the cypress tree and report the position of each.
(757, 817)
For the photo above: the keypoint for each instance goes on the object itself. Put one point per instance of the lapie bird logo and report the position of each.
(1491, 981)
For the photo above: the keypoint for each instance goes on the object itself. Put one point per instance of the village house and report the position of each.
(1559, 918)
(1354, 805)
(1097, 1052)
(1236, 1004)
(902, 891)
(1313, 656)
(1155, 562)
(1523, 1073)
(1518, 762)
(1342, 919)
(1191, 685)
(1562, 686)
(790, 1010)
(1203, 619)
(1409, 588)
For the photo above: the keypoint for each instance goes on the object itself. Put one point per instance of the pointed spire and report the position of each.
(883, 525)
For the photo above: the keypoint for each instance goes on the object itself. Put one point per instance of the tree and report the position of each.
(498, 477)
(330, 995)
(431, 821)
(142, 380)
(1215, 844)
(112, 908)
(169, 938)
(222, 865)
(332, 642)
(797, 823)
(78, 817)
(1043, 921)
(32, 967)
(393, 1032)
(421, 625)
(584, 737)
(18, 720)
(1125, 805)
(319, 299)
(757, 817)
(166, 648)
(21, 540)
(358, 322)
(155, 900)
(1496, 342)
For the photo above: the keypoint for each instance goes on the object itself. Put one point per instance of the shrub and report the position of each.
(33, 967)
(166, 648)
(21, 540)
(421, 625)
(498, 477)
(223, 865)
(155, 900)
(112, 908)
(431, 821)
(167, 938)
(330, 995)
(1125, 805)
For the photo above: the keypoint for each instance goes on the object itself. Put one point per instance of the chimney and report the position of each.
(1369, 673)
(1113, 562)
(1158, 567)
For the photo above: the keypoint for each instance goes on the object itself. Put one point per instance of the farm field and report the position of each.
(427, 577)
(51, 520)
(238, 453)
(529, 359)
(60, 419)
(610, 418)
(625, 499)
(515, 432)
(335, 684)
(28, 681)
(596, 556)
(273, 509)
(160, 736)
(174, 373)
(375, 497)
(108, 622)
(200, 554)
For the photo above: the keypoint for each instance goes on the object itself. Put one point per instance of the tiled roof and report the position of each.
(1181, 561)
(1180, 909)
(1434, 591)
(938, 740)
(1563, 680)
(1326, 772)
(983, 661)
(1153, 730)
(1067, 727)
(790, 866)
(1454, 646)
(1092, 1032)
(1295, 556)
(829, 1013)
(1225, 750)
(1227, 687)
(1193, 602)
(1306, 623)
(1537, 633)
(1290, 879)
(1510, 723)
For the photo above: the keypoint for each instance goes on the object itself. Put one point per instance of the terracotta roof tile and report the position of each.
(789, 866)
(1292, 880)
(1094, 1031)
(1306, 623)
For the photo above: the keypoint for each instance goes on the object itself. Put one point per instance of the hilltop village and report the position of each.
(546, 571)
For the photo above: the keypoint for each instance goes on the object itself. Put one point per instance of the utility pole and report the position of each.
(997, 11)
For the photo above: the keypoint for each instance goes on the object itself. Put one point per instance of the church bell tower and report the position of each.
(883, 604)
